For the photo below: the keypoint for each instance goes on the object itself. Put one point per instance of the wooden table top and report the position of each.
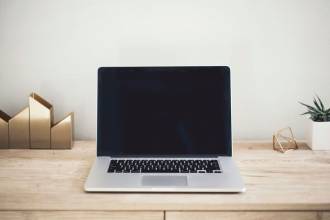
(54, 180)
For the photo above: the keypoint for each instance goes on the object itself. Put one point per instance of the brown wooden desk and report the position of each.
(48, 184)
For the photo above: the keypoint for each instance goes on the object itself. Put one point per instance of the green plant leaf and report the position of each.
(311, 108)
(324, 117)
(322, 106)
(317, 112)
(309, 112)
(317, 105)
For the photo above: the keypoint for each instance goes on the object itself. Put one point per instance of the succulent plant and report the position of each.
(317, 113)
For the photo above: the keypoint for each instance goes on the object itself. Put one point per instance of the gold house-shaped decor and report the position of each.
(41, 119)
(62, 133)
(19, 130)
(4, 135)
(33, 127)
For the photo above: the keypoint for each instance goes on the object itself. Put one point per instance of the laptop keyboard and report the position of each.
(164, 166)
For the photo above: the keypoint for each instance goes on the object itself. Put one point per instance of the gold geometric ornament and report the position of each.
(4, 131)
(19, 129)
(33, 127)
(283, 140)
(62, 133)
(41, 119)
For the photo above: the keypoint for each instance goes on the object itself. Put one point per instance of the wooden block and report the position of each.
(4, 118)
(81, 215)
(19, 129)
(248, 215)
(62, 133)
(41, 118)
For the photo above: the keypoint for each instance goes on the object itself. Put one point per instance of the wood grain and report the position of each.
(79, 215)
(239, 215)
(54, 179)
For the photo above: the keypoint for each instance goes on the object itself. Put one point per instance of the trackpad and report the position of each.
(164, 181)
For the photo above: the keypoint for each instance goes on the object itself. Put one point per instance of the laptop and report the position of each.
(164, 129)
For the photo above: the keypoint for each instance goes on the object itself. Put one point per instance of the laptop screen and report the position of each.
(164, 111)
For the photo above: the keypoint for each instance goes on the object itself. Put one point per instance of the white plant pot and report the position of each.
(318, 135)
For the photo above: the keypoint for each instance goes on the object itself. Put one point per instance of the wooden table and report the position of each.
(48, 184)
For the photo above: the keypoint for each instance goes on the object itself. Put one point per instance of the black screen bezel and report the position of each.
(102, 150)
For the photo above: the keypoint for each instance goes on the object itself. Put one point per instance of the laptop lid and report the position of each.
(164, 111)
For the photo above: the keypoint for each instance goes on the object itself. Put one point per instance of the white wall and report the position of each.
(278, 50)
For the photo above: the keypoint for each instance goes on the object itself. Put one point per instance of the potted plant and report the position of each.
(318, 135)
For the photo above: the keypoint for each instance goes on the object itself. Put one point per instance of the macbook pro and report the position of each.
(164, 129)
